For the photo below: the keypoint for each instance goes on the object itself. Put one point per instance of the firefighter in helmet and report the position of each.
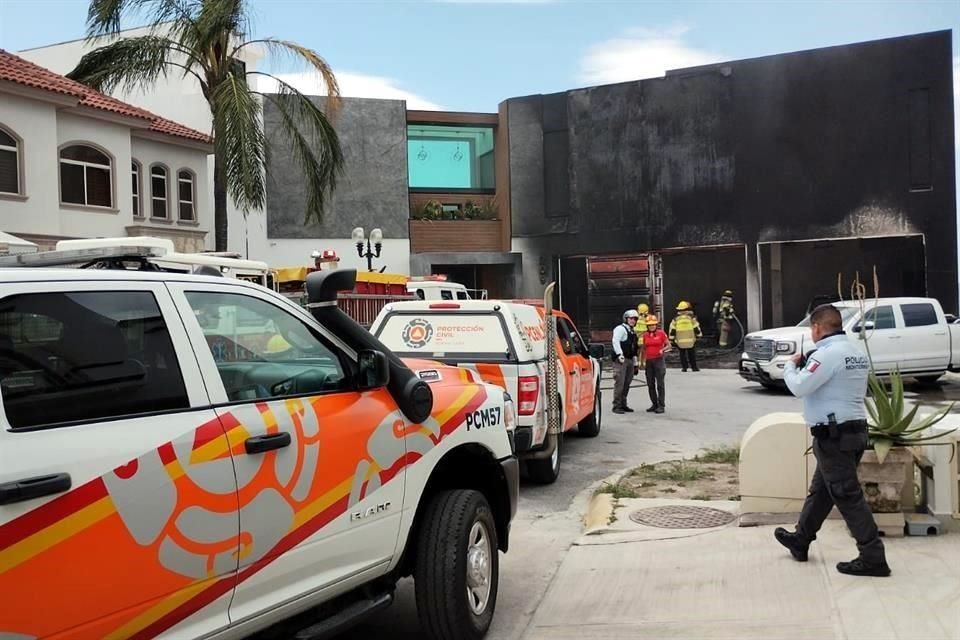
(723, 314)
(655, 344)
(684, 331)
(643, 310)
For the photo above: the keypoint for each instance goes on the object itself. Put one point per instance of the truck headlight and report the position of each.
(786, 348)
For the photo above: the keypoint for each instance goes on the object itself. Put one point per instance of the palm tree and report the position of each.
(204, 38)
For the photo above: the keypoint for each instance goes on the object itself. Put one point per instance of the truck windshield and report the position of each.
(441, 334)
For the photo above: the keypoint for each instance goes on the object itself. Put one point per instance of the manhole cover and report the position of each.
(682, 517)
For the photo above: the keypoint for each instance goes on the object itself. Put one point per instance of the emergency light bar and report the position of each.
(81, 256)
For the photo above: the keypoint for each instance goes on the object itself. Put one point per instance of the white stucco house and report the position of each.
(75, 163)
(179, 99)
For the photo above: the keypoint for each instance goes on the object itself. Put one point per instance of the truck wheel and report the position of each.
(457, 569)
(546, 470)
(589, 427)
(929, 381)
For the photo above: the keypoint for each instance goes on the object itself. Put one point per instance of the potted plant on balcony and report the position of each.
(891, 429)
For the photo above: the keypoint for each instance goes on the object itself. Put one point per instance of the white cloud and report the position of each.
(641, 53)
(352, 85)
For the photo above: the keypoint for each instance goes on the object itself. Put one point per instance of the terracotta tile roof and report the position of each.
(23, 72)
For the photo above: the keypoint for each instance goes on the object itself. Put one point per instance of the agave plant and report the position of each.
(888, 425)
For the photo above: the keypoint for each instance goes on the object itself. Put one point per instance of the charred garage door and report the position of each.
(793, 274)
(596, 290)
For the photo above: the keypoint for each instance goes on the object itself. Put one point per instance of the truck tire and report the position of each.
(546, 470)
(456, 572)
(589, 427)
(929, 381)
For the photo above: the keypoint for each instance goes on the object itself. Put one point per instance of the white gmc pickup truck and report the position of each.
(909, 334)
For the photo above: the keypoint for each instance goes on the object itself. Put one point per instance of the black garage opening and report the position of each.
(794, 274)
(596, 290)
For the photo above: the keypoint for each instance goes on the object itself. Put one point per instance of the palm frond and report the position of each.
(239, 141)
(130, 63)
(315, 144)
(217, 24)
(312, 59)
(105, 17)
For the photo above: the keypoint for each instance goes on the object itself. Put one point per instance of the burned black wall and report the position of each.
(839, 142)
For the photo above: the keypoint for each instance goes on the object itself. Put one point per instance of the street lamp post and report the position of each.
(376, 238)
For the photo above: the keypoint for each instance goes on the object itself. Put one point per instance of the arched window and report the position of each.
(158, 191)
(186, 195)
(136, 170)
(9, 162)
(86, 176)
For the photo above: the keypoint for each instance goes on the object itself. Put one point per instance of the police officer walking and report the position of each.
(833, 383)
(624, 360)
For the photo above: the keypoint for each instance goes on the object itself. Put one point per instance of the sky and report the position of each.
(469, 55)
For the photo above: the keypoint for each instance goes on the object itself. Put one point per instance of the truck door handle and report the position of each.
(262, 444)
(895, 337)
(35, 487)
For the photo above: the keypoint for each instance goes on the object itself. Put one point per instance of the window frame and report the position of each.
(136, 172)
(112, 161)
(166, 193)
(190, 372)
(475, 158)
(873, 311)
(208, 366)
(906, 323)
(17, 150)
(192, 180)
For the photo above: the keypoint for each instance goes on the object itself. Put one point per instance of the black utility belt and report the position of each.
(833, 430)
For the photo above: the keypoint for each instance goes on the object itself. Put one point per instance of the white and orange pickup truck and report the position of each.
(506, 344)
(189, 456)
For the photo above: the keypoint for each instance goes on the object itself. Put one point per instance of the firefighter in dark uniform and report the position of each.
(624, 360)
(833, 383)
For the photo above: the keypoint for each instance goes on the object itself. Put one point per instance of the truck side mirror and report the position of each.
(373, 370)
(869, 325)
(596, 350)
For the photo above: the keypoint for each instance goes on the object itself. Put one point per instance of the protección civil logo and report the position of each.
(417, 333)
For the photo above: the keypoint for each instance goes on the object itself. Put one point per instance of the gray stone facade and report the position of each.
(372, 192)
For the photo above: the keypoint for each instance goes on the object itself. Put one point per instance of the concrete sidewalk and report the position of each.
(633, 581)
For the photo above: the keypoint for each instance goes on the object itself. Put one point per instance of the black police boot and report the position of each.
(628, 409)
(792, 542)
(858, 567)
(652, 408)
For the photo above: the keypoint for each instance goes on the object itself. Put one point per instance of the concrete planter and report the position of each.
(883, 483)
(450, 236)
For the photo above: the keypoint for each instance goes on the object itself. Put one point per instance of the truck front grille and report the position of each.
(758, 348)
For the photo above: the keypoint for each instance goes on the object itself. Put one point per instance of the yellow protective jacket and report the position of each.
(684, 330)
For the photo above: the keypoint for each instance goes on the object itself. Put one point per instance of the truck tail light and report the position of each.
(444, 305)
(529, 390)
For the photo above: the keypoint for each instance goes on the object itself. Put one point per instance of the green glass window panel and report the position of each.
(450, 157)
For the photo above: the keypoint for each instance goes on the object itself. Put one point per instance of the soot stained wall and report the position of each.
(846, 141)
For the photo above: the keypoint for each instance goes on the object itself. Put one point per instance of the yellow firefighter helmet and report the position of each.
(651, 320)
(277, 344)
(683, 306)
